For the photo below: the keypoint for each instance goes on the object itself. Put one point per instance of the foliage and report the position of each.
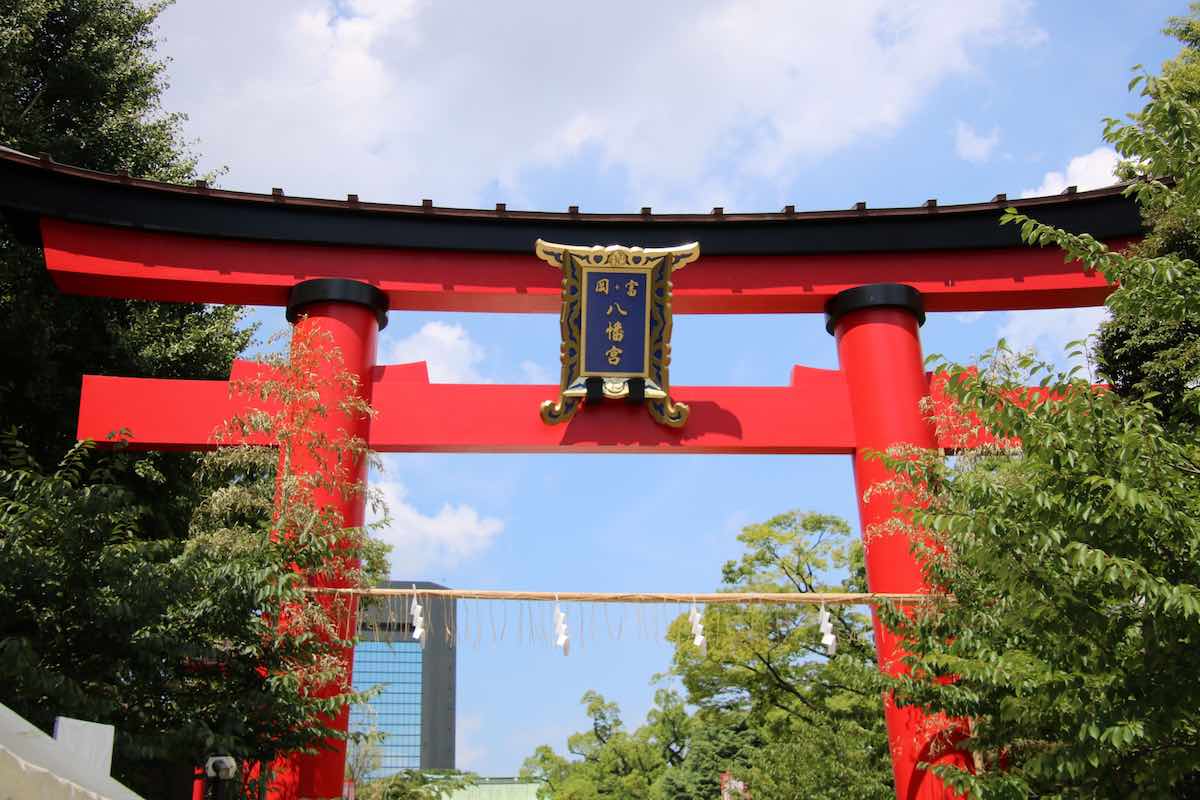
(74, 581)
(209, 646)
(820, 720)
(80, 81)
(1072, 561)
(270, 531)
(152, 591)
(1072, 558)
(771, 708)
(93, 550)
(611, 761)
(719, 743)
(363, 756)
(1157, 357)
(416, 785)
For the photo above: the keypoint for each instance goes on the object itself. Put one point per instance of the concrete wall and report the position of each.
(72, 766)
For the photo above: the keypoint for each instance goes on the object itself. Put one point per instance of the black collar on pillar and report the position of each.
(337, 290)
(873, 295)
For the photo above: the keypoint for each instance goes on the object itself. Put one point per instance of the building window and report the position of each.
(396, 710)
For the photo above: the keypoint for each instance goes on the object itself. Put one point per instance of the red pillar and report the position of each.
(351, 314)
(879, 350)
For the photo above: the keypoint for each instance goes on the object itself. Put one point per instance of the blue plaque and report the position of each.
(616, 327)
(616, 324)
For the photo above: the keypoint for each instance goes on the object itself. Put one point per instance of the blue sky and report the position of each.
(613, 106)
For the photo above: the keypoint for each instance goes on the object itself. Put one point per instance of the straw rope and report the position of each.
(708, 599)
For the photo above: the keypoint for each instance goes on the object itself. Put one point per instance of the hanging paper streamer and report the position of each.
(561, 639)
(418, 620)
(827, 637)
(539, 618)
(698, 639)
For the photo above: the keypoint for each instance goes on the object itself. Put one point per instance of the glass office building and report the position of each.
(396, 710)
(414, 709)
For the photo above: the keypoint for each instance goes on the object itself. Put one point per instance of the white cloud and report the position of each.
(453, 356)
(969, 317)
(534, 372)
(691, 101)
(1089, 171)
(1048, 331)
(469, 751)
(421, 543)
(970, 145)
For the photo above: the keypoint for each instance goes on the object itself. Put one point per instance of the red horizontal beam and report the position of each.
(809, 416)
(160, 413)
(121, 262)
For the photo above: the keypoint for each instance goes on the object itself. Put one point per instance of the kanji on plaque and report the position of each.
(615, 323)
(616, 327)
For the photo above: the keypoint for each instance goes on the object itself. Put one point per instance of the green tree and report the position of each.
(416, 785)
(771, 708)
(79, 80)
(611, 762)
(1156, 357)
(93, 550)
(364, 756)
(719, 743)
(818, 721)
(192, 648)
(1072, 559)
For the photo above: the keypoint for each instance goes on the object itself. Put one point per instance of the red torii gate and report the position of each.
(344, 264)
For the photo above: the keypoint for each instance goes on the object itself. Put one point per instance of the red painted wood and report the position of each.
(352, 331)
(122, 262)
(161, 413)
(809, 416)
(419, 417)
(880, 353)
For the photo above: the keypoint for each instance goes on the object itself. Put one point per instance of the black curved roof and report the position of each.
(32, 187)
